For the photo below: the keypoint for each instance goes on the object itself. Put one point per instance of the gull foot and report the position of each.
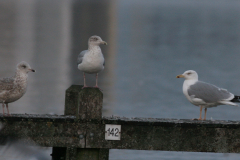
(6, 115)
(85, 87)
(197, 119)
(97, 87)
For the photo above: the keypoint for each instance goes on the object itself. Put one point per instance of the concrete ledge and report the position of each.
(137, 133)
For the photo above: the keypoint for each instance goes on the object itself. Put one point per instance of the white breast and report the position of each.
(186, 85)
(92, 62)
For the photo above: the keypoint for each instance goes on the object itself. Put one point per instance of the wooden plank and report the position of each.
(169, 135)
(57, 131)
(137, 133)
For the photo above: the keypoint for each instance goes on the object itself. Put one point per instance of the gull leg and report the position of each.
(200, 117)
(96, 81)
(205, 113)
(84, 80)
(96, 86)
(7, 109)
(3, 108)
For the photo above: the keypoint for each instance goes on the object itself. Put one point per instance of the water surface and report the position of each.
(149, 43)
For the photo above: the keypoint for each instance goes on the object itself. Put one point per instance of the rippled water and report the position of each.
(149, 43)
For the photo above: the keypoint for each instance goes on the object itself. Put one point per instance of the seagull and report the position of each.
(92, 61)
(205, 95)
(12, 89)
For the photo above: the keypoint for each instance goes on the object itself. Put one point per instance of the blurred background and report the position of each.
(149, 43)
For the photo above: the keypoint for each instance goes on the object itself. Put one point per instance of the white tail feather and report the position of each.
(229, 103)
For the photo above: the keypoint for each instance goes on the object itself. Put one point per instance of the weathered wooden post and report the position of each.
(85, 104)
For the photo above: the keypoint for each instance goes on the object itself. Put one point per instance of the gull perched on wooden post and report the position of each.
(12, 89)
(205, 95)
(92, 60)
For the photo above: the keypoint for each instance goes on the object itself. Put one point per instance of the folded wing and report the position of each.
(209, 93)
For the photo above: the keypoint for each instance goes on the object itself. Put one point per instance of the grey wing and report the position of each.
(80, 57)
(208, 92)
(6, 84)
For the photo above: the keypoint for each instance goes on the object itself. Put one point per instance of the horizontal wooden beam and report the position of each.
(136, 133)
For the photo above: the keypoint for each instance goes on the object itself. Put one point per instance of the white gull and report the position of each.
(92, 60)
(205, 95)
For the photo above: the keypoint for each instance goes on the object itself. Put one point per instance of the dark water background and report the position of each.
(149, 43)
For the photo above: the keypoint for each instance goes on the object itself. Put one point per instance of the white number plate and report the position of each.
(112, 132)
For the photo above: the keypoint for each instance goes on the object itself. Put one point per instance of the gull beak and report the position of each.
(103, 42)
(32, 70)
(180, 76)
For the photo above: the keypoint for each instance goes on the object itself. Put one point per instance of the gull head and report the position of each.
(189, 75)
(96, 40)
(24, 67)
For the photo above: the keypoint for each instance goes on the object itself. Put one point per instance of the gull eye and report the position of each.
(24, 66)
(95, 39)
(189, 73)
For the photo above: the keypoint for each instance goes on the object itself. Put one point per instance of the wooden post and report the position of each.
(58, 153)
(84, 104)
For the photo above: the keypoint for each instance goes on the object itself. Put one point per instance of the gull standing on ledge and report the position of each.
(91, 61)
(12, 89)
(205, 95)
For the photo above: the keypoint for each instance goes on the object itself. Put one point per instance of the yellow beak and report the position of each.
(180, 76)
